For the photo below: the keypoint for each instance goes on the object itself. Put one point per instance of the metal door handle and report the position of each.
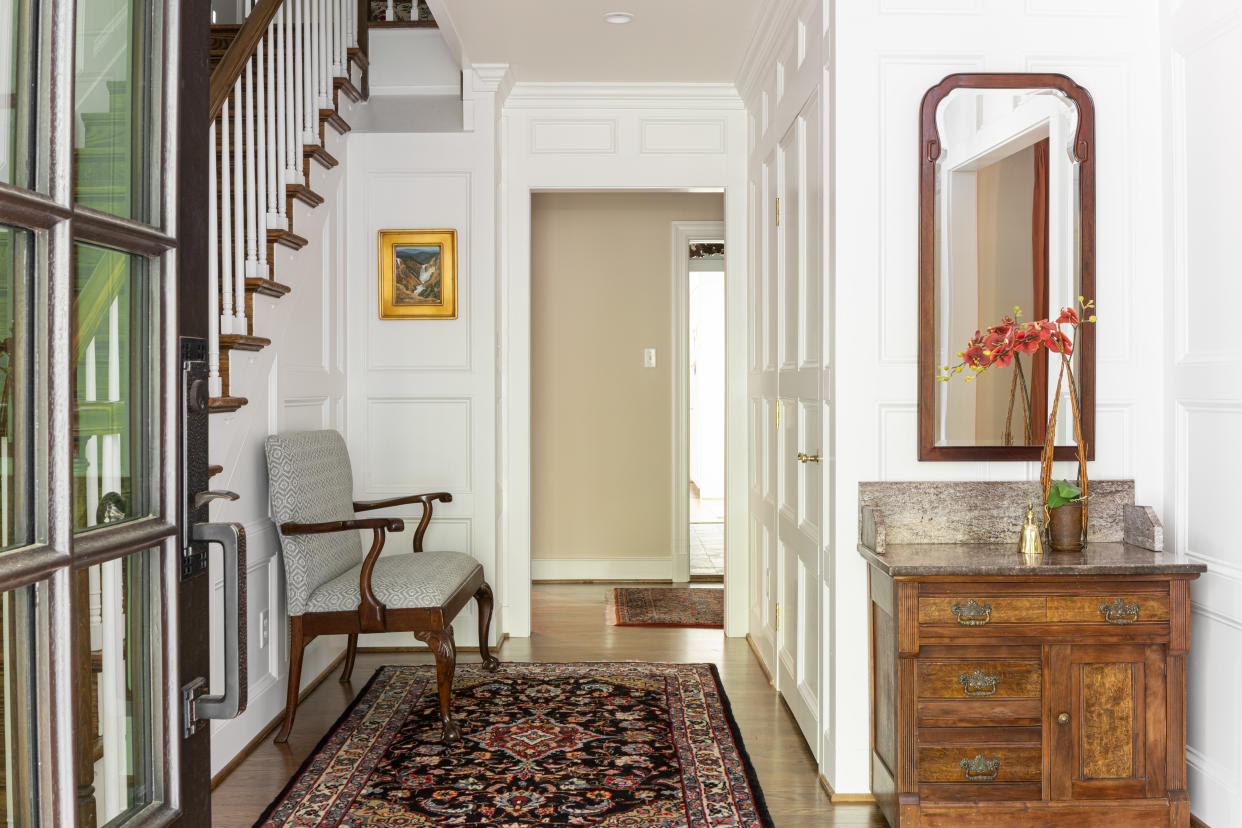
(232, 703)
(213, 494)
(803, 457)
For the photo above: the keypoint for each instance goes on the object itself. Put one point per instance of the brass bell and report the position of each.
(1030, 543)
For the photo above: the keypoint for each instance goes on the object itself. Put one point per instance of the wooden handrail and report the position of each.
(243, 46)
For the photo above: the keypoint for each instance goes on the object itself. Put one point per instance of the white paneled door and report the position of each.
(799, 470)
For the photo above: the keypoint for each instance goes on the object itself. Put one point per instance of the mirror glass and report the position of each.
(1007, 229)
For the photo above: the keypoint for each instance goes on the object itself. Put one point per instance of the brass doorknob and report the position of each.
(803, 457)
(1063, 719)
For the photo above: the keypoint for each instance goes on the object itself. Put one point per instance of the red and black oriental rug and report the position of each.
(667, 607)
(604, 744)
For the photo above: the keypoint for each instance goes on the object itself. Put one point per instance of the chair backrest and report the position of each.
(309, 481)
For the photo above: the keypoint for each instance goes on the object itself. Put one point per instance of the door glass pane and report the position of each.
(20, 699)
(116, 658)
(116, 101)
(16, 98)
(15, 383)
(115, 418)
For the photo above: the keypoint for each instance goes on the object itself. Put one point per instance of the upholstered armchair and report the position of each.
(332, 588)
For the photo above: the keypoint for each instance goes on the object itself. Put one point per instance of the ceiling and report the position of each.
(672, 41)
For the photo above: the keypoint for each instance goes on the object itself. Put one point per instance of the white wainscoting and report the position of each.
(1201, 58)
(885, 56)
(298, 383)
(422, 393)
(614, 137)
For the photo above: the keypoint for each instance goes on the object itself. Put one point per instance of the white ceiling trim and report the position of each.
(543, 95)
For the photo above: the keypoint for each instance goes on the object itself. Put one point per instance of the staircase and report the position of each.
(277, 81)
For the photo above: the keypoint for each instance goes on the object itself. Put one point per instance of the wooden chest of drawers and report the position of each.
(1029, 695)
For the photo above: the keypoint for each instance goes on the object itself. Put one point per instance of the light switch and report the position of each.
(649, 357)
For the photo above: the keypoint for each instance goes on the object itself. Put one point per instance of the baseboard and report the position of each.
(1195, 822)
(412, 649)
(839, 799)
(267, 730)
(759, 659)
(602, 569)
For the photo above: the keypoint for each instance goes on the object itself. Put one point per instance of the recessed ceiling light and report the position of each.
(618, 17)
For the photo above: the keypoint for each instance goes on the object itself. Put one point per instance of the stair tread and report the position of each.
(333, 119)
(267, 287)
(223, 405)
(303, 194)
(287, 238)
(243, 342)
(317, 152)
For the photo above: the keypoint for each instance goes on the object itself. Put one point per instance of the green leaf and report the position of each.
(1062, 492)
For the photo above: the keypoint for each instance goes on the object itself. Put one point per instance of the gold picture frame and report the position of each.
(418, 274)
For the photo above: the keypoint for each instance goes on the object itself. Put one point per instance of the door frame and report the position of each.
(684, 233)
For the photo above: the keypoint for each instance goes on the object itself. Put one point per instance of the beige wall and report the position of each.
(600, 422)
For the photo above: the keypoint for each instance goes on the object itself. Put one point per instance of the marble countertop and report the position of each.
(975, 559)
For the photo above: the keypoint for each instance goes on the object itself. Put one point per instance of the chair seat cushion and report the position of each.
(411, 581)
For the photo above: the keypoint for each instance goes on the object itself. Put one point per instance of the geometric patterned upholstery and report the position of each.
(408, 581)
(309, 481)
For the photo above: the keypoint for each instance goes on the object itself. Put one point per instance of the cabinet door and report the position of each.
(1106, 717)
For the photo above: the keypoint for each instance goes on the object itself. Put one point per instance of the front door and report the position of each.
(92, 730)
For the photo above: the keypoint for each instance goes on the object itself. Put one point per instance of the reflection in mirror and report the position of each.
(1005, 238)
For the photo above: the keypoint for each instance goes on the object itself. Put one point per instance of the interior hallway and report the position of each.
(569, 626)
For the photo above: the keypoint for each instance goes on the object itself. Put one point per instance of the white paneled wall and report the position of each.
(616, 137)
(1201, 55)
(296, 383)
(422, 392)
(886, 55)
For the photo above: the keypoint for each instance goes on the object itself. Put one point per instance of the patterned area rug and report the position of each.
(606, 744)
(667, 607)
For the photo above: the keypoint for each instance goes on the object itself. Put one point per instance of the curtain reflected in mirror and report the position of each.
(1006, 244)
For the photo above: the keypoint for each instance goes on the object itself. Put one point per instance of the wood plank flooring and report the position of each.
(569, 626)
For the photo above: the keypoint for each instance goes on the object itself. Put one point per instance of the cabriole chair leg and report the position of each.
(445, 650)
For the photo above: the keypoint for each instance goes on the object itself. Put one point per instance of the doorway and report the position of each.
(706, 401)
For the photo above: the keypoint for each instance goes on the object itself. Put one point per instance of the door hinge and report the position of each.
(778, 211)
(778, 616)
(778, 416)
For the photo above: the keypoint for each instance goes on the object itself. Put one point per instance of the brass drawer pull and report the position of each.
(972, 613)
(978, 683)
(1120, 612)
(980, 769)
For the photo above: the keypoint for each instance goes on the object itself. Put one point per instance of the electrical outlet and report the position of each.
(263, 630)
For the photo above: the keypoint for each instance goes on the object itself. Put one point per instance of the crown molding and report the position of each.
(761, 52)
(716, 96)
(489, 77)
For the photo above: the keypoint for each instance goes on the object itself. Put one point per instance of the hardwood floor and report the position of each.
(569, 626)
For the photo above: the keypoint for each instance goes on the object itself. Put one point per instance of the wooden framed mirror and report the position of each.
(1006, 218)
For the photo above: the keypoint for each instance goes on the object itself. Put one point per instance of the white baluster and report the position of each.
(324, 57)
(252, 186)
(280, 92)
(227, 220)
(391, 12)
(310, 114)
(338, 29)
(351, 27)
(270, 169)
(260, 160)
(214, 388)
(238, 323)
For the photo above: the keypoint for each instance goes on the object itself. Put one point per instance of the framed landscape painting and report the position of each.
(418, 274)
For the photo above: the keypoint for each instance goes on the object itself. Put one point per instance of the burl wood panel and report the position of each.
(1108, 731)
(1013, 680)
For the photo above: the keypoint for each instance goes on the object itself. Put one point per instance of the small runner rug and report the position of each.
(668, 607)
(606, 744)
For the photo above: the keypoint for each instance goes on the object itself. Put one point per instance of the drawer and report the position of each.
(980, 764)
(980, 609)
(1113, 608)
(980, 680)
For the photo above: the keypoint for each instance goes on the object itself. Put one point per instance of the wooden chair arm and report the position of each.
(426, 499)
(384, 524)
